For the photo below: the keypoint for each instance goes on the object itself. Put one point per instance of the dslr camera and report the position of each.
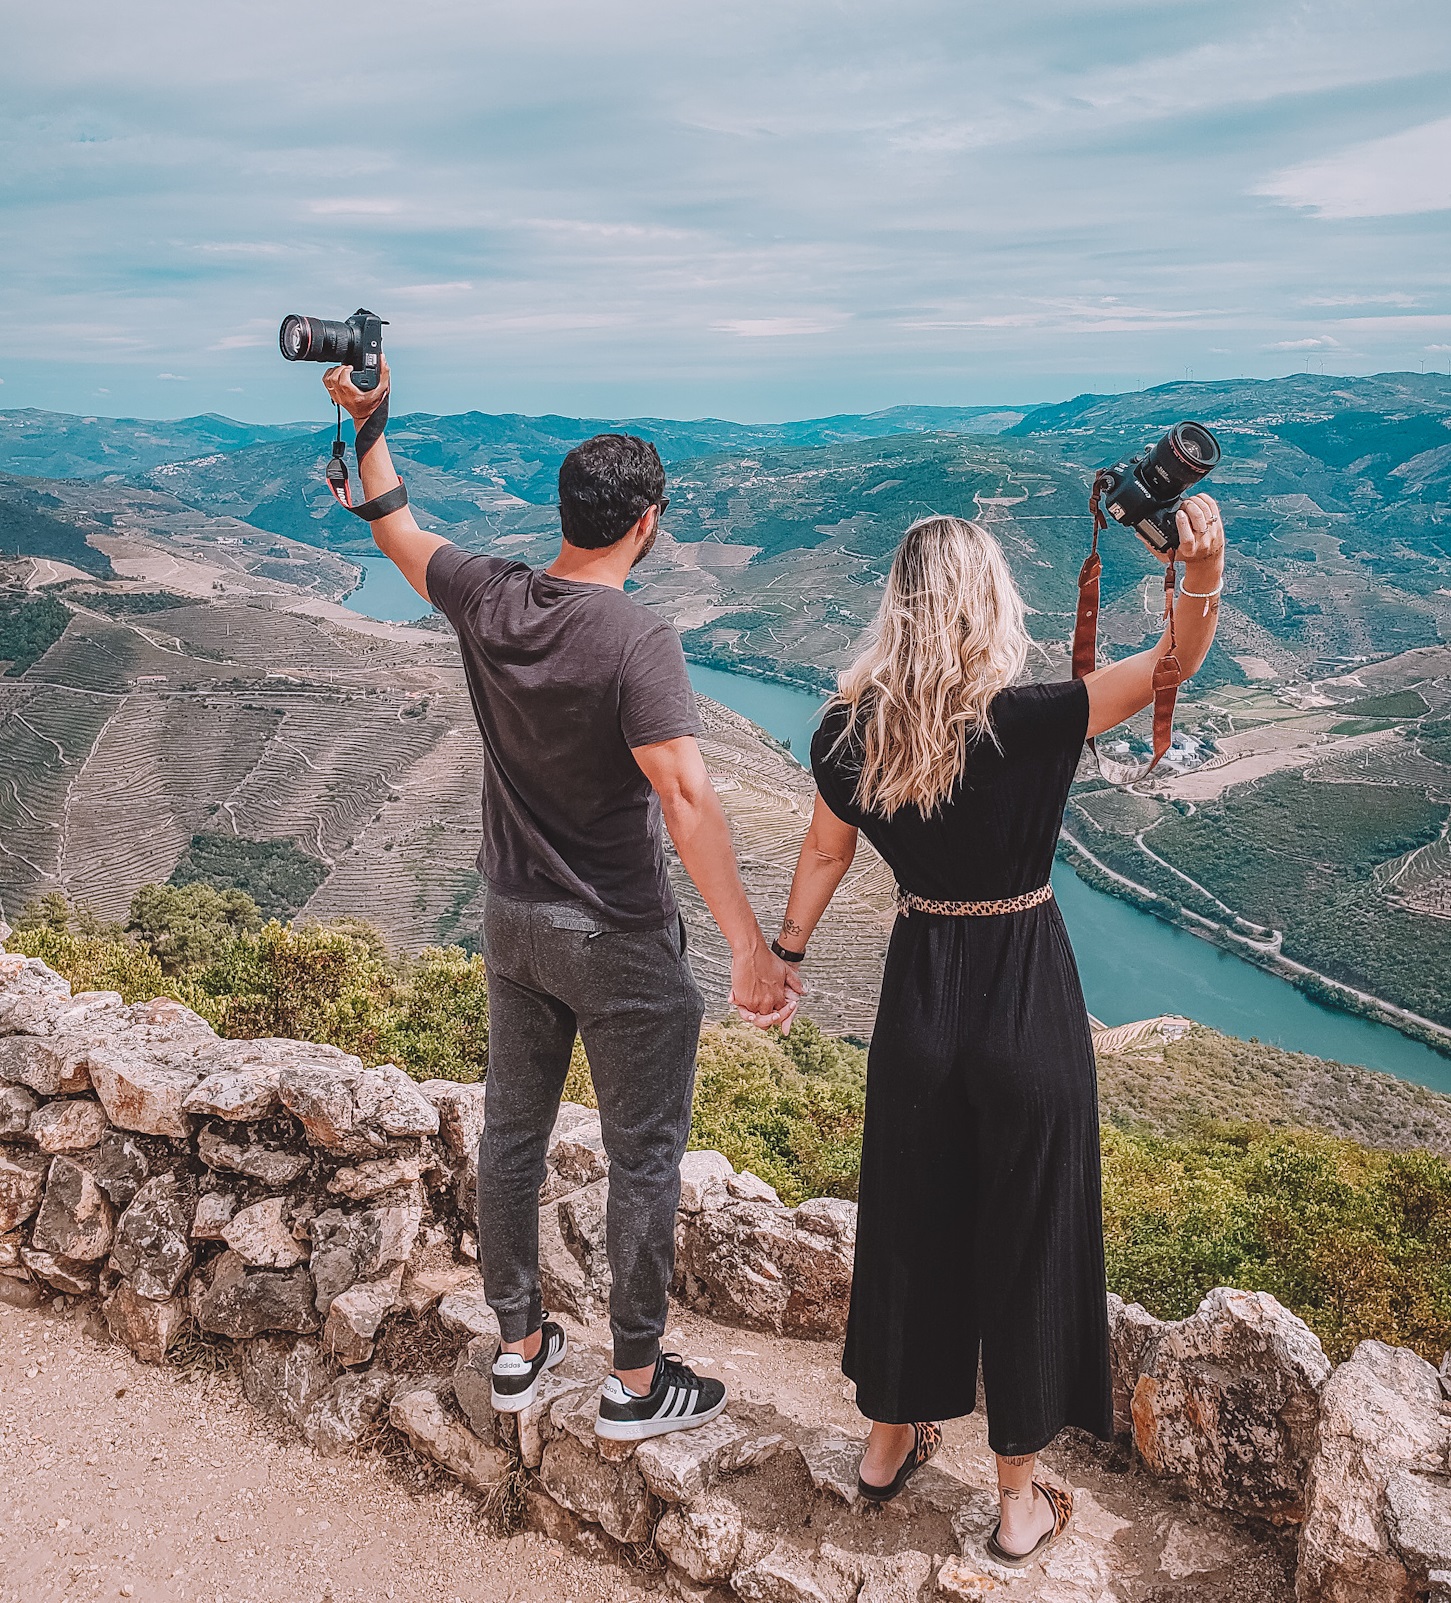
(356, 342)
(1144, 493)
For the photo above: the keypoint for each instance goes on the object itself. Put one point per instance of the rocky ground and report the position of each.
(128, 1480)
(122, 1480)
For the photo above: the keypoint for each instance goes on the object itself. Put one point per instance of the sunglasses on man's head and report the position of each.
(662, 503)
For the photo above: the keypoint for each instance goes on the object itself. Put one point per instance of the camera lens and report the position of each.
(318, 339)
(295, 338)
(1198, 444)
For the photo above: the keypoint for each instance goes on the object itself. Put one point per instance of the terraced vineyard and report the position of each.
(135, 732)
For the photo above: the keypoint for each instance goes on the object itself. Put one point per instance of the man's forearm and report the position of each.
(703, 839)
(378, 475)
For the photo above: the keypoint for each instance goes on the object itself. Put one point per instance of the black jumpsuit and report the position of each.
(980, 1223)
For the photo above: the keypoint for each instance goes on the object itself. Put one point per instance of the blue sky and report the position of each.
(742, 209)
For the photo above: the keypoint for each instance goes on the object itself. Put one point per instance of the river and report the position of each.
(1133, 965)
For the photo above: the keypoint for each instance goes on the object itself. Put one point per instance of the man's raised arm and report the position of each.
(397, 535)
(760, 982)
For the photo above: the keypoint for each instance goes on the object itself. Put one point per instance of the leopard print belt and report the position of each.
(907, 903)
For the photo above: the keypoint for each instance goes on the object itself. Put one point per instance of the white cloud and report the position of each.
(239, 342)
(1322, 344)
(179, 378)
(779, 327)
(355, 207)
(426, 291)
(1395, 177)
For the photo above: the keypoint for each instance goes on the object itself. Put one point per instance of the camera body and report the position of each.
(1145, 492)
(356, 342)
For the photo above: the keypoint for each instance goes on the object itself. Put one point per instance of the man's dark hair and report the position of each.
(606, 486)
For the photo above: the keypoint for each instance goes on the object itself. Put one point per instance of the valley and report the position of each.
(1300, 821)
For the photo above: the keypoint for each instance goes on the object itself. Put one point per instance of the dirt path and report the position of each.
(123, 1481)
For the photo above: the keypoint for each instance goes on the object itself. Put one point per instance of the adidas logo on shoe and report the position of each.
(514, 1379)
(678, 1399)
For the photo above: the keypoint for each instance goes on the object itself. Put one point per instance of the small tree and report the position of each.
(189, 926)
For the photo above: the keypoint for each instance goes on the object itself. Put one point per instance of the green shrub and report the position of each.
(190, 926)
(95, 962)
(440, 1026)
(314, 983)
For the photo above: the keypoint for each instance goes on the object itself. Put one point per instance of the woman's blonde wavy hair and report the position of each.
(948, 636)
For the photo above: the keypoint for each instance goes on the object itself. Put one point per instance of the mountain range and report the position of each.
(1302, 819)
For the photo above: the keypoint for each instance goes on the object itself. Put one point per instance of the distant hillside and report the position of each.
(1302, 822)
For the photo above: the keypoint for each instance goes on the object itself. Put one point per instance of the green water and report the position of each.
(1135, 966)
(385, 594)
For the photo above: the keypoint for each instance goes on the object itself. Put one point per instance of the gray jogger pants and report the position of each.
(554, 967)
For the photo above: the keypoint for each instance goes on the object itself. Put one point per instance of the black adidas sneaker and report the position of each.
(679, 1399)
(515, 1379)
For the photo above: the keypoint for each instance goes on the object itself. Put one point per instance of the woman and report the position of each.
(979, 1226)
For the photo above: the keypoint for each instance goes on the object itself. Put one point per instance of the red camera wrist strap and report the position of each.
(368, 436)
(1167, 673)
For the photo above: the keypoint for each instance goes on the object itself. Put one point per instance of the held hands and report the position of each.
(764, 990)
(1201, 531)
(358, 404)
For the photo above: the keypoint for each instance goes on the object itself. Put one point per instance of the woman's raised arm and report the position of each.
(1124, 688)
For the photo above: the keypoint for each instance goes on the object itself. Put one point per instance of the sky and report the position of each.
(737, 209)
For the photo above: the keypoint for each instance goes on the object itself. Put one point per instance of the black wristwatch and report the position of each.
(785, 956)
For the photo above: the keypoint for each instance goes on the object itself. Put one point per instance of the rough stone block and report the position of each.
(1418, 1521)
(147, 1326)
(17, 1105)
(141, 1094)
(236, 1095)
(1133, 1333)
(352, 1111)
(272, 1166)
(681, 1465)
(10, 1246)
(473, 1385)
(354, 1317)
(22, 1184)
(373, 1176)
(348, 1247)
(285, 1376)
(151, 1247)
(613, 1496)
(47, 1067)
(576, 1152)
(262, 1236)
(748, 1187)
(703, 1538)
(239, 1302)
(73, 1125)
(899, 1579)
(466, 1312)
(749, 1263)
(789, 1574)
(1226, 1405)
(120, 1167)
(422, 1418)
(703, 1176)
(70, 1275)
(213, 1210)
(1380, 1414)
(76, 1219)
(460, 1110)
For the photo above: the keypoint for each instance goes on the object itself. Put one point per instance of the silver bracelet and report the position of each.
(1206, 596)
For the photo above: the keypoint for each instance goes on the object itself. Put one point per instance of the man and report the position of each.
(588, 724)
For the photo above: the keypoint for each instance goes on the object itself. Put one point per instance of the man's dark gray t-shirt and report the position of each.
(565, 678)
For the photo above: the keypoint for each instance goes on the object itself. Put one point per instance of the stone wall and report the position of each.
(316, 1213)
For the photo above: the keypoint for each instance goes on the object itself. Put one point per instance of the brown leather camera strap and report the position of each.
(1167, 673)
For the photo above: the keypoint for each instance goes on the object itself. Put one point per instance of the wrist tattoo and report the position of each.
(789, 926)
